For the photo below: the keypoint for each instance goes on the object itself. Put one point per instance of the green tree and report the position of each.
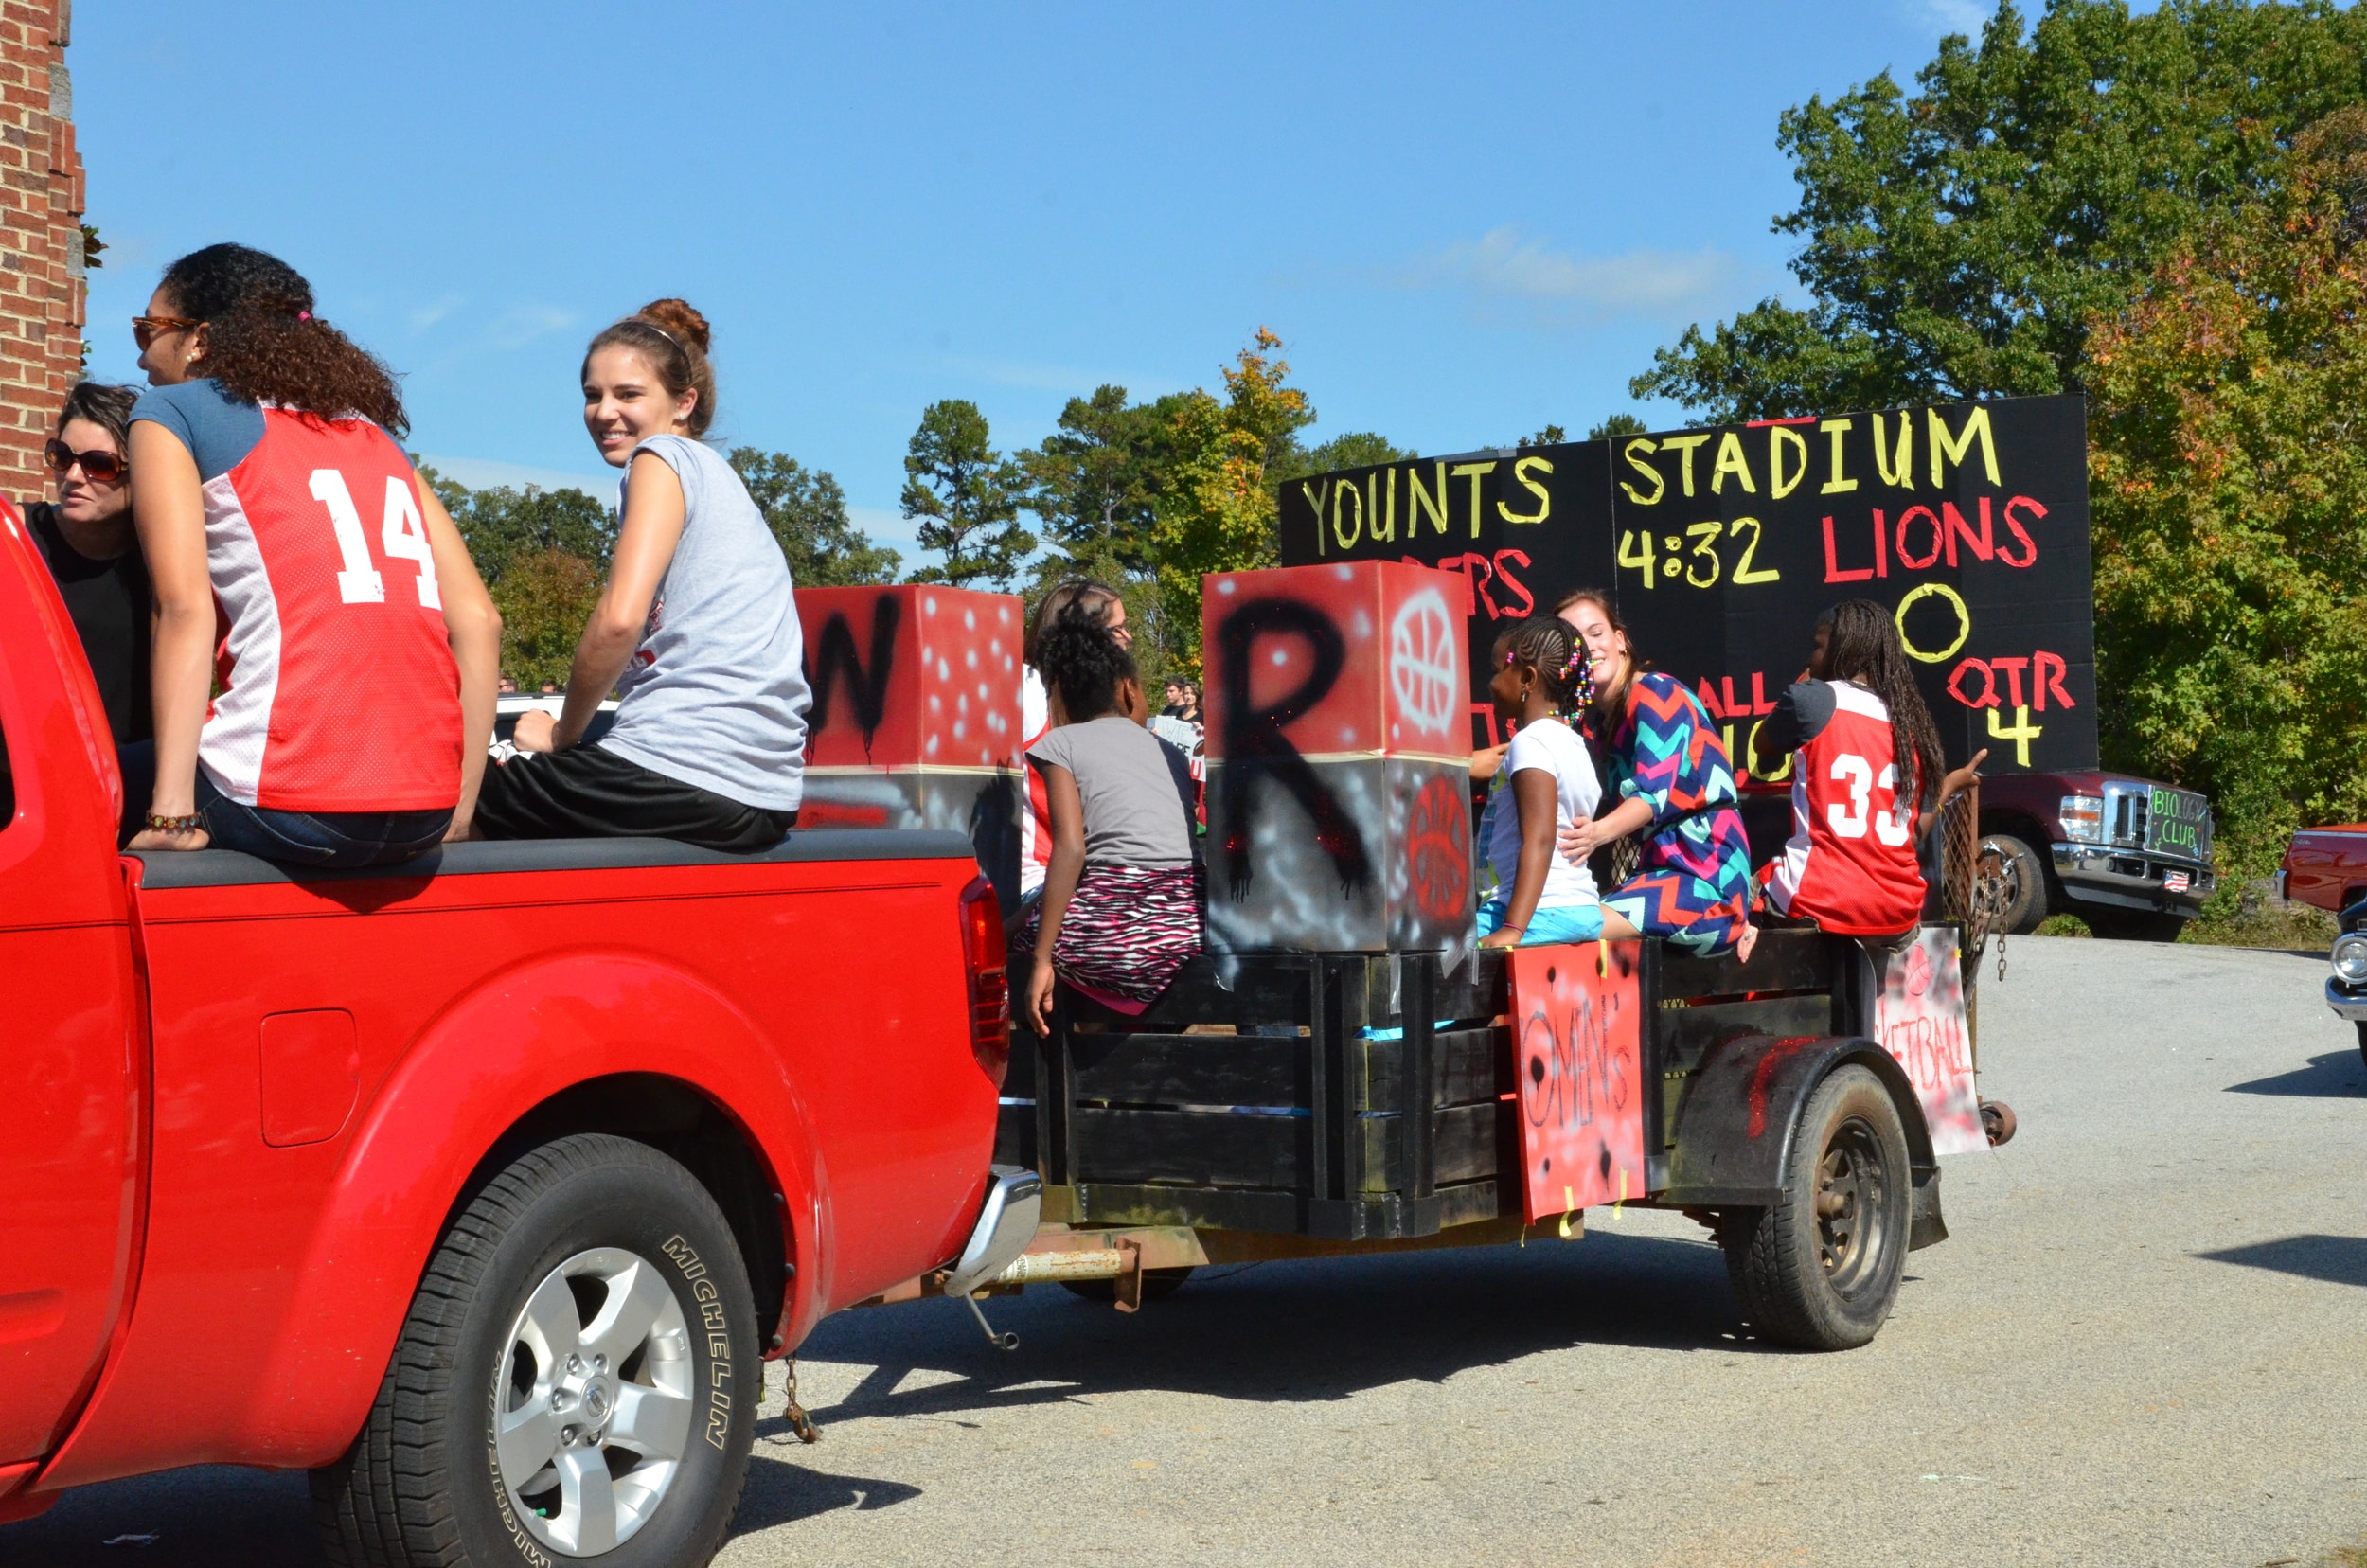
(1095, 481)
(1356, 449)
(500, 523)
(965, 497)
(1958, 240)
(1552, 434)
(1615, 424)
(2229, 495)
(1217, 511)
(806, 511)
(545, 597)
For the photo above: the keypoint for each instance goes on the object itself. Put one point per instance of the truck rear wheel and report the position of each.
(2020, 894)
(578, 1379)
(1820, 1270)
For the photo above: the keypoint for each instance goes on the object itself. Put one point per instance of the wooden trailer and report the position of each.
(1327, 1104)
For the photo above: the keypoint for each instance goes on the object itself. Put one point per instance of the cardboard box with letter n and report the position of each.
(916, 715)
(1337, 709)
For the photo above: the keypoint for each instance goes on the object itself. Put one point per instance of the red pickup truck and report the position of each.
(478, 1187)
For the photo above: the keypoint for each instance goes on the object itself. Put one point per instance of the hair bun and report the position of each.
(679, 319)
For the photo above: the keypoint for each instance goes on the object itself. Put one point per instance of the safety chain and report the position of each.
(799, 1422)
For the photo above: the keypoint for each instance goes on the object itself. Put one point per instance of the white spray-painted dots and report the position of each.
(933, 745)
(1362, 625)
(1281, 656)
(969, 619)
(969, 657)
(1346, 574)
(935, 703)
(958, 727)
(928, 604)
(945, 669)
(1224, 585)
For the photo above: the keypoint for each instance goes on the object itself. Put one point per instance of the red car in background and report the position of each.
(2326, 866)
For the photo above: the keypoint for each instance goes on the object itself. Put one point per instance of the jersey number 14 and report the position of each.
(403, 536)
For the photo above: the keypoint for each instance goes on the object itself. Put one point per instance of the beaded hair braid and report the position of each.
(1547, 644)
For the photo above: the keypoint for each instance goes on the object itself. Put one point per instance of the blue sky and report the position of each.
(1465, 222)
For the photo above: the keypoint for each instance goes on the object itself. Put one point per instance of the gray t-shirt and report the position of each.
(714, 695)
(1132, 816)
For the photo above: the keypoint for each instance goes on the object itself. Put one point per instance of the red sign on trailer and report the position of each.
(1578, 1041)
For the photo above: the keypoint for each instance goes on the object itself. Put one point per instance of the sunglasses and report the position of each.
(146, 330)
(104, 467)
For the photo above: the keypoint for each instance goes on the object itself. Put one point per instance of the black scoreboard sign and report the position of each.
(1721, 545)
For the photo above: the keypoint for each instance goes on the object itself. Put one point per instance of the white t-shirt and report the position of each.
(1553, 747)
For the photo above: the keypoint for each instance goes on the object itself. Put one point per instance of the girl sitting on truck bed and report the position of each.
(1121, 907)
(1546, 782)
(1864, 751)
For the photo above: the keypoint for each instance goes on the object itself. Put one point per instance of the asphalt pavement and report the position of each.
(2142, 1345)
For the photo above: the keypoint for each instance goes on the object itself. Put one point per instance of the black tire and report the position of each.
(1158, 1284)
(1827, 1282)
(2023, 905)
(2362, 1043)
(423, 1483)
(2134, 925)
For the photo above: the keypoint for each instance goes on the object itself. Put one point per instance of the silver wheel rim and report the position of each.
(592, 1409)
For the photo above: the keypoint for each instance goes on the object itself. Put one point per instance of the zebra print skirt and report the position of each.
(1125, 935)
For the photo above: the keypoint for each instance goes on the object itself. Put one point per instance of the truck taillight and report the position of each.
(984, 955)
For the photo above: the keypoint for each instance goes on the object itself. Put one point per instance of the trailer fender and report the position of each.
(1741, 1112)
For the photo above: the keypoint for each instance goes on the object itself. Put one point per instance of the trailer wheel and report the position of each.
(578, 1379)
(1820, 1270)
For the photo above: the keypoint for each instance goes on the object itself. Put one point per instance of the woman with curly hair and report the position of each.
(696, 630)
(358, 668)
(1676, 785)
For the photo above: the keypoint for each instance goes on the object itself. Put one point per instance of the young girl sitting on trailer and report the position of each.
(1547, 781)
(1121, 907)
(1864, 754)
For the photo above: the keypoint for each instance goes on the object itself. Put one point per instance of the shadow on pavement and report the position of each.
(2336, 1073)
(1294, 1332)
(2336, 1259)
(213, 1516)
(780, 1492)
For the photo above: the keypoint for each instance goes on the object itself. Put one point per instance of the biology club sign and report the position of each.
(1970, 520)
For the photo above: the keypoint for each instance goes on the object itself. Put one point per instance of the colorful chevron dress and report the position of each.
(1692, 884)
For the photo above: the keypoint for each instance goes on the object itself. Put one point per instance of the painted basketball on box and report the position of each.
(1336, 706)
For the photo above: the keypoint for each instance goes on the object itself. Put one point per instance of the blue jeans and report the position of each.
(334, 841)
(1573, 923)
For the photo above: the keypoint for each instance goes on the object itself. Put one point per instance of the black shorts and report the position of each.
(587, 792)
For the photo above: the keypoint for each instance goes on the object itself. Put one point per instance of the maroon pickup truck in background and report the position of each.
(2129, 856)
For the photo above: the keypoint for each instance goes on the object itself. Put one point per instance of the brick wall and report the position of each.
(41, 292)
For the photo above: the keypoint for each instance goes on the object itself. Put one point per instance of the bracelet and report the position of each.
(188, 823)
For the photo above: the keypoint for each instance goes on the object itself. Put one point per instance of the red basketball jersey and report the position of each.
(339, 692)
(1850, 865)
